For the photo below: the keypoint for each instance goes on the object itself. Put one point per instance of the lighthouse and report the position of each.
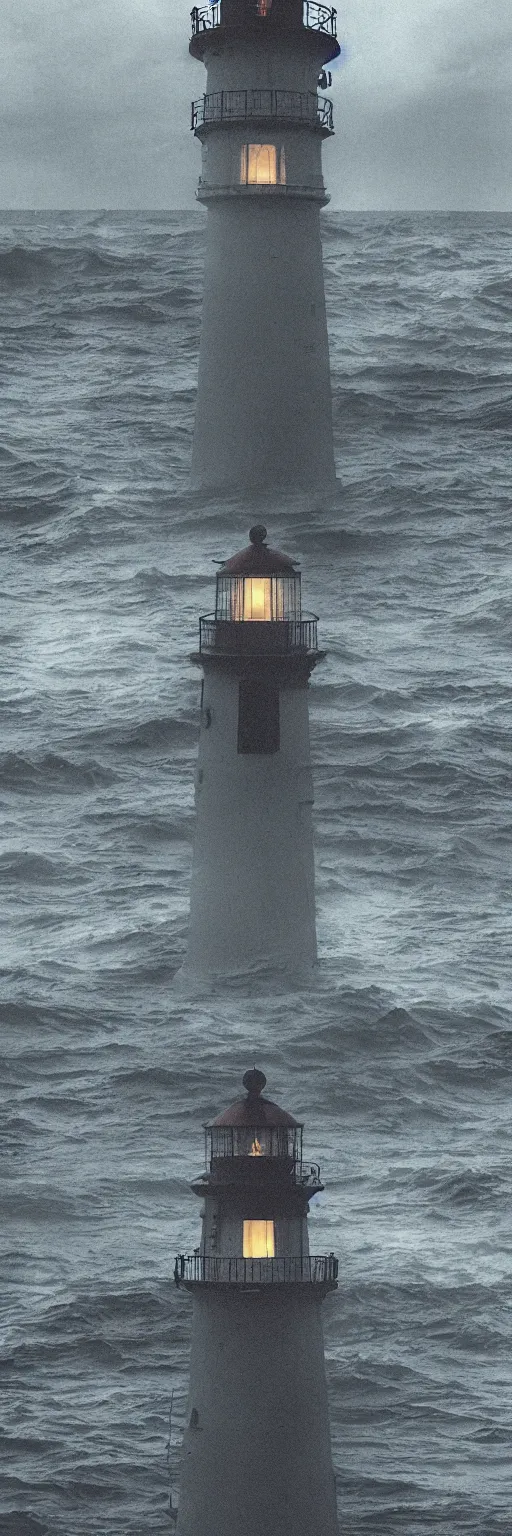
(256, 1455)
(263, 415)
(252, 900)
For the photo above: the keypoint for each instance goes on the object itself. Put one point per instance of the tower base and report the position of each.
(256, 1452)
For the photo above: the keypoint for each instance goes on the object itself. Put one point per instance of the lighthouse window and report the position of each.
(258, 717)
(259, 1240)
(262, 165)
(258, 598)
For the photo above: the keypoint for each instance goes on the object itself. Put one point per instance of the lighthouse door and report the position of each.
(258, 717)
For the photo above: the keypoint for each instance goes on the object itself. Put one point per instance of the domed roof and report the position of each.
(254, 1110)
(257, 559)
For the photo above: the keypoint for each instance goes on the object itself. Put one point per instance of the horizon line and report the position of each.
(193, 208)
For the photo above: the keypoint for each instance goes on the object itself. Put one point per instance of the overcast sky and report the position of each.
(95, 99)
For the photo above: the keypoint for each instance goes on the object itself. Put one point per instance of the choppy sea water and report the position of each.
(399, 1054)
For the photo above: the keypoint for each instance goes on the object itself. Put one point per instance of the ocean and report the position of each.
(398, 1055)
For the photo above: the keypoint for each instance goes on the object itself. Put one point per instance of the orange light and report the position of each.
(256, 1149)
(257, 598)
(259, 1240)
(262, 165)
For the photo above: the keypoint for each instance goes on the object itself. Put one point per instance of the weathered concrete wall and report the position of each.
(246, 64)
(252, 894)
(256, 1455)
(303, 160)
(222, 1230)
(263, 414)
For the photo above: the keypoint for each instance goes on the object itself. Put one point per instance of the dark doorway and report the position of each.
(258, 717)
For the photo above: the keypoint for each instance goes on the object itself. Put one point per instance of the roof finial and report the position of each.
(255, 1082)
(257, 534)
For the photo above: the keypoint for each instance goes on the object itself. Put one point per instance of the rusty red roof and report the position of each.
(258, 559)
(254, 1110)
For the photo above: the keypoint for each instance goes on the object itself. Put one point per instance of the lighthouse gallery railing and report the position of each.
(316, 18)
(236, 106)
(251, 637)
(201, 1269)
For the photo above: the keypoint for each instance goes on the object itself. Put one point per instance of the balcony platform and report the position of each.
(304, 109)
(262, 1174)
(314, 1271)
(209, 194)
(282, 637)
(284, 646)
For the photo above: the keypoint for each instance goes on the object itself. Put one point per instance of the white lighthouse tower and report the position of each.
(263, 414)
(252, 901)
(256, 1455)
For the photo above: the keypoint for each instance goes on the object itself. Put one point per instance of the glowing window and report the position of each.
(259, 1240)
(262, 165)
(258, 165)
(257, 598)
(263, 7)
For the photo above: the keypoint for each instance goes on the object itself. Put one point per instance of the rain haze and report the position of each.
(96, 103)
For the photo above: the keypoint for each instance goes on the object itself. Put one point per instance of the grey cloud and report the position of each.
(445, 149)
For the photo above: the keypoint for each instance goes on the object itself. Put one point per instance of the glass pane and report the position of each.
(262, 165)
(236, 611)
(257, 597)
(259, 1240)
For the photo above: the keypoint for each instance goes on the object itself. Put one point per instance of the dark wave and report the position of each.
(498, 293)
(149, 1077)
(20, 267)
(128, 314)
(165, 732)
(32, 867)
(52, 773)
(15, 1522)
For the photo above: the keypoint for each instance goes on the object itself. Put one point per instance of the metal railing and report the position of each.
(259, 1152)
(289, 106)
(319, 18)
(204, 17)
(199, 1269)
(309, 1175)
(281, 637)
(316, 18)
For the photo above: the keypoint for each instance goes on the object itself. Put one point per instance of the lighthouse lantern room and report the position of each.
(256, 1452)
(252, 892)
